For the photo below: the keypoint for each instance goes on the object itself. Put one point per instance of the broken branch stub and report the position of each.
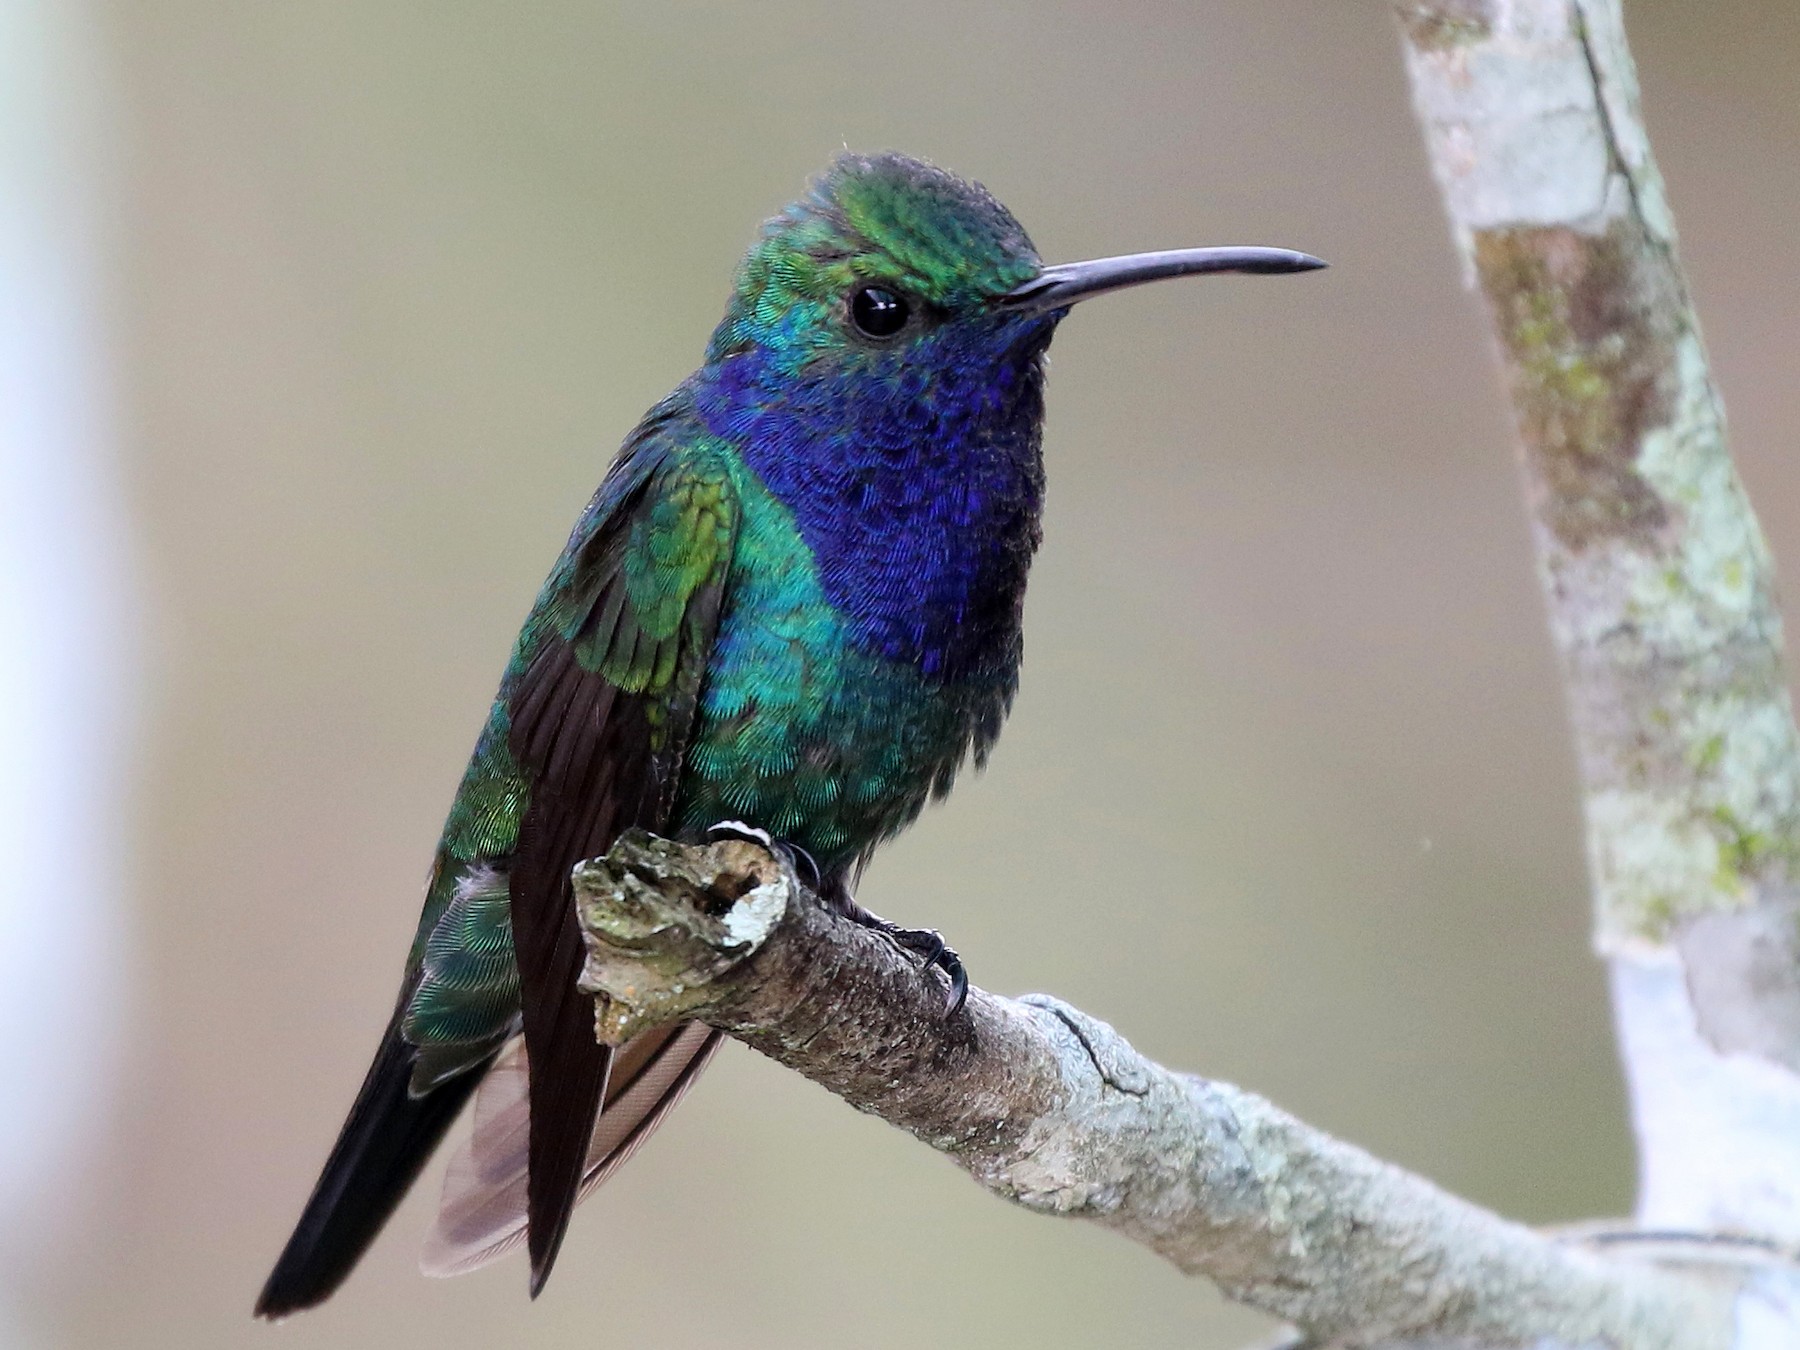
(663, 922)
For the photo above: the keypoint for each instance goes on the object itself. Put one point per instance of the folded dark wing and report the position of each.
(601, 702)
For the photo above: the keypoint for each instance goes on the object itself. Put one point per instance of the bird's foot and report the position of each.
(929, 946)
(801, 863)
(926, 943)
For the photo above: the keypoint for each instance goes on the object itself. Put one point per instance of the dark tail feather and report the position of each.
(562, 1122)
(378, 1155)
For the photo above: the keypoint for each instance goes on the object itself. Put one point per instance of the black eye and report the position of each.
(878, 312)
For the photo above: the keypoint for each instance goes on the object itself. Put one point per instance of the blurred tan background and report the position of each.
(1286, 797)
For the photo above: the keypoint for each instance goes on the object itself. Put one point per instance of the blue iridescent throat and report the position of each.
(917, 486)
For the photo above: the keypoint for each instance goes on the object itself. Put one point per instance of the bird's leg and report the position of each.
(926, 943)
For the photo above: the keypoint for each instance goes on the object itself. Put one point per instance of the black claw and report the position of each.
(929, 946)
(926, 943)
(959, 983)
(805, 866)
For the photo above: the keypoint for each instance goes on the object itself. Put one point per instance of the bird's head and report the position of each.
(880, 368)
(890, 265)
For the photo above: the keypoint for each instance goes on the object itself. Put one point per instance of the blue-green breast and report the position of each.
(805, 730)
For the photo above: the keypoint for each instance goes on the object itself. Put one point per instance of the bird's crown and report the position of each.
(926, 243)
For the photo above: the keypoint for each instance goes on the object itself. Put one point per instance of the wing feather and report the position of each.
(609, 677)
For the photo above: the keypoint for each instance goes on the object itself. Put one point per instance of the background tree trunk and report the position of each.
(1660, 591)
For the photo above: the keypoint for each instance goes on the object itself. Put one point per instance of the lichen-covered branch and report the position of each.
(1659, 587)
(1053, 1110)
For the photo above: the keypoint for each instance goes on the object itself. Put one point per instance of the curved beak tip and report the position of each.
(1271, 262)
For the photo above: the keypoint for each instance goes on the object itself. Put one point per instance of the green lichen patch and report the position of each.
(1583, 321)
(1712, 594)
(1712, 823)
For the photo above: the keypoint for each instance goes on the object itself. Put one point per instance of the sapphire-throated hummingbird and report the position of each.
(794, 602)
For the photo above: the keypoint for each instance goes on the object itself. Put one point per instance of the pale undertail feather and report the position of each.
(482, 1215)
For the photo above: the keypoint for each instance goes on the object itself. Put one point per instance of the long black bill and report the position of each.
(1062, 285)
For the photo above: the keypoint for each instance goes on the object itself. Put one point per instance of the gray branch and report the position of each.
(1052, 1110)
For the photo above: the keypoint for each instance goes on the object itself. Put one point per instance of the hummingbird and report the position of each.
(794, 602)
